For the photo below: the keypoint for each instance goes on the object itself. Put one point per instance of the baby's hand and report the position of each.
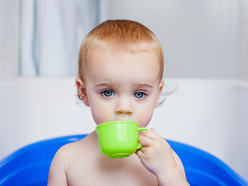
(158, 157)
(156, 154)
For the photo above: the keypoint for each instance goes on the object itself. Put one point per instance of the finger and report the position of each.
(153, 135)
(145, 141)
(141, 151)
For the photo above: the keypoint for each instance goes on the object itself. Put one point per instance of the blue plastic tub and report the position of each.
(30, 165)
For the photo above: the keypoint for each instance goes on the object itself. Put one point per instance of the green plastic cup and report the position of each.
(118, 139)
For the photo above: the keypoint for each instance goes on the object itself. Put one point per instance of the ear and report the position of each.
(82, 94)
(160, 89)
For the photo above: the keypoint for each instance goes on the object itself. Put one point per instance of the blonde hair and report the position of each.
(125, 35)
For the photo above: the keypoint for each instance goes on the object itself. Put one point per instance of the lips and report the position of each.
(123, 119)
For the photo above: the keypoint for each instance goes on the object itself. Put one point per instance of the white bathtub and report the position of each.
(209, 114)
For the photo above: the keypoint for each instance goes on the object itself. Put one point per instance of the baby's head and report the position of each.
(116, 36)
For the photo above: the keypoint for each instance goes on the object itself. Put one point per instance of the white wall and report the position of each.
(243, 41)
(9, 32)
(201, 39)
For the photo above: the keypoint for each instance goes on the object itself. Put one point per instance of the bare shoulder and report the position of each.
(68, 152)
(65, 152)
(61, 163)
(57, 172)
(178, 161)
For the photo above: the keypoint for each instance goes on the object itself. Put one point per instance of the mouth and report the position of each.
(122, 119)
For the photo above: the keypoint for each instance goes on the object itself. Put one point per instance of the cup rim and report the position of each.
(116, 122)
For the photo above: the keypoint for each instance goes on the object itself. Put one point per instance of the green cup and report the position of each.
(118, 139)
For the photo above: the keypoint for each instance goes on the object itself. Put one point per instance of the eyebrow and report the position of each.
(105, 84)
(143, 85)
(114, 84)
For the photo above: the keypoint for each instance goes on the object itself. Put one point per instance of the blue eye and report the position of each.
(139, 95)
(108, 93)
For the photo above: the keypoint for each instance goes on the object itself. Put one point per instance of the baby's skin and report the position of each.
(82, 163)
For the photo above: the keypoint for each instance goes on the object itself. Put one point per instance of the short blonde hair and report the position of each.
(124, 35)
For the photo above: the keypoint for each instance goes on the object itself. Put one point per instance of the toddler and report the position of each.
(120, 78)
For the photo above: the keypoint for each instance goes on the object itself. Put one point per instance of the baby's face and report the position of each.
(122, 86)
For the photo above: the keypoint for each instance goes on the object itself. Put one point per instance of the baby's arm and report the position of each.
(57, 172)
(158, 157)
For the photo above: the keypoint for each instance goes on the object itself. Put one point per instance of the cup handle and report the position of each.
(141, 129)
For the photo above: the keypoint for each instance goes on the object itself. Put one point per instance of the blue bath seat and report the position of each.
(30, 165)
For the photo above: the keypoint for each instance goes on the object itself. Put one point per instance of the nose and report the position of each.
(124, 106)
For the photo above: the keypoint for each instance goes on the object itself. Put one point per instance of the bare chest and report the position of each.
(110, 172)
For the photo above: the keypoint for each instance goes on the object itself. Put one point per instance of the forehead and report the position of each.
(111, 64)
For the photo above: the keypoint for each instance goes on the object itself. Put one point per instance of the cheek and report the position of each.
(97, 115)
(100, 112)
(145, 116)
